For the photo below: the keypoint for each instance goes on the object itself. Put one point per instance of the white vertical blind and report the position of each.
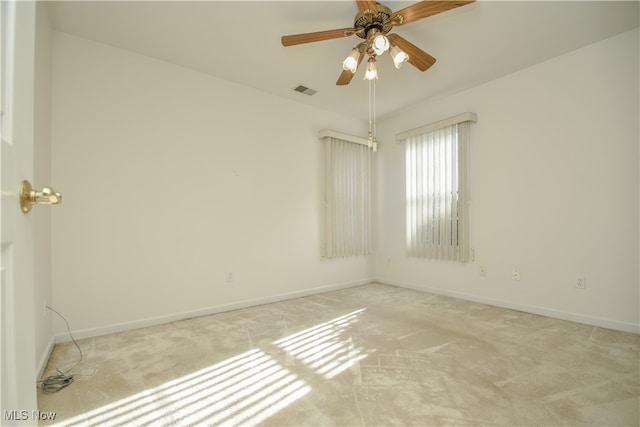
(347, 181)
(437, 193)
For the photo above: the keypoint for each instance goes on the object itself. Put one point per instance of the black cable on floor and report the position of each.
(55, 383)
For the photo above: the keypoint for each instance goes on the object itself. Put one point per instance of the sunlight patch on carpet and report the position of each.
(242, 390)
(327, 348)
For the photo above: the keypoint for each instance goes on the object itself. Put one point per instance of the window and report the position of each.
(437, 173)
(347, 197)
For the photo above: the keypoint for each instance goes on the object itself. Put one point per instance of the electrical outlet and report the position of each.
(483, 271)
(229, 276)
(516, 275)
(580, 284)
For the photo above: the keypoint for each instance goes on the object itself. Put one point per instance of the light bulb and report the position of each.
(380, 44)
(371, 72)
(399, 57)
(351, 61)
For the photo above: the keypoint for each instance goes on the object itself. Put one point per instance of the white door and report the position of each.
(17, 323)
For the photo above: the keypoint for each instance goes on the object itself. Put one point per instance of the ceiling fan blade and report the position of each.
(345, 78)
(346, 75)
(417, 57)
(364, 5)
(425, 9)
(317, 36)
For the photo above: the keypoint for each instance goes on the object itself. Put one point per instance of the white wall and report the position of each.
(554, 189)
(173, 178)
(42, 177)
(140, 145)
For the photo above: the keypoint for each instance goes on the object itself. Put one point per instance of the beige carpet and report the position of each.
(374, 355)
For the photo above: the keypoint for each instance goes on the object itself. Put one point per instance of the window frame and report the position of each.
(347, 200)
(420, 191)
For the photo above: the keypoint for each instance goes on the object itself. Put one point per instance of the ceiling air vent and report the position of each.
(305, 90)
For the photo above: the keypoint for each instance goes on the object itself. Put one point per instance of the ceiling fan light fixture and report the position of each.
(399, 57)
(371, 72)
(351, 62)
(372, 22)
(380, 44)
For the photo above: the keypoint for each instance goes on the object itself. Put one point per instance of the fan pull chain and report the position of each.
(375, 140)
(370, 114)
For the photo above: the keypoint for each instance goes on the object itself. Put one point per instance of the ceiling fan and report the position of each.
(373, 23)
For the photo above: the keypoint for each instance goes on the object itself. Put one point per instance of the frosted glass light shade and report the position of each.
(380, 44)
(351, 62)
(371, 72)
(399, 57)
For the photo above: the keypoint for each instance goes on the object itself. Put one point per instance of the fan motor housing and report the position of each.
(367, 19)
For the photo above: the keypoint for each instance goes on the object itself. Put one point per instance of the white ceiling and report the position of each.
(239, 41)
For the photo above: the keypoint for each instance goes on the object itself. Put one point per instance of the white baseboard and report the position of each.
(556, 314)
(143, 323)
(44, 357)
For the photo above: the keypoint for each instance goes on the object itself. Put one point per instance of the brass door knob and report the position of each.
(30, 197)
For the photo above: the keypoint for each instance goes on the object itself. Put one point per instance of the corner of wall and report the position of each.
(44, 337)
